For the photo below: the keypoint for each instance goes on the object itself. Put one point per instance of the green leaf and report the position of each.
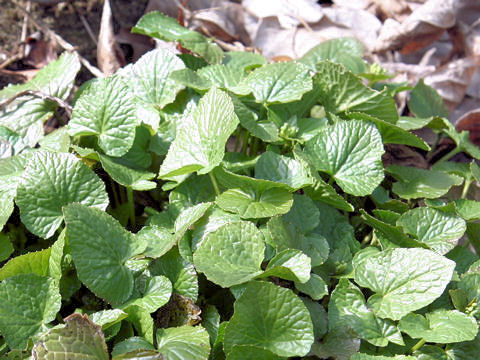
(272, 318)
(189, 217)
(106, 109)
(347, 308)
(468, 209)
(225, 77)
(142, 321)
(128, 177)
(252, 198)
(179, 271)
(442, 326)
(160, 26)
(129, 345)
(26, 114)
(340, 91)
(152, 85)
(184, 342)
(279, 168)
(391, 134)
(158, 239)
(28, 303)
(346, 51)
(263, 129)
(413, 183)
(200, 142)
(57, 141)
(303, 213)
(287, 236)
(243, 60)
(320, 190)
(211, 322)
(355, 164)
(425, 102)
(51, 181)
(230, 255)
(107, 318)
(279, 82)
(6, 208)
(155, 293)
(100, 247)
(315, 287)
(249, 352)
(6, 247)
(439, 230)
(394, 234)
(465, 350)
(191, 79)
(79, 339)
(361, 356)
(36, 262)
(290, 264)
(404, 280)
(339, 344)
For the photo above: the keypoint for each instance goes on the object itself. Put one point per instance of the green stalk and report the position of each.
(245, 142)
(214, 183)
(449, 155)
(131, 206)
(254, 148)
(114, 192)
(238, 133)
(466, 186)
(418, 345)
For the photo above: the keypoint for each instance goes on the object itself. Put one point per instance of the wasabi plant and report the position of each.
(212, 205)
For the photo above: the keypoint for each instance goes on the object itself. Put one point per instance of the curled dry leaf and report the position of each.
(225, 22)
(424, 26)
(109, 56)
(452, 80)
(470, 122)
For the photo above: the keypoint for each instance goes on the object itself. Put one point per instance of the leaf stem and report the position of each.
(114, 192)
(131, 206)
(330, 181)
(452, 153)
(418, 345)
(245, 142)
(254, 148)
(214, 183)
(466, 186)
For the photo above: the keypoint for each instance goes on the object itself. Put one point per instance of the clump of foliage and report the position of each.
(212, 205)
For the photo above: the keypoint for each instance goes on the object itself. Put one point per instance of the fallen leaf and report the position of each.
(109, 56)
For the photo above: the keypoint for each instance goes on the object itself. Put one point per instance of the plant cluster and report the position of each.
(211, 205)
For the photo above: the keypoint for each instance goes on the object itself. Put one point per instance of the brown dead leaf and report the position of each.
(224, 22)
(109, 55)
(470, 122)
(38, 51)
(425, 25)
(139, 44)
(452, 80)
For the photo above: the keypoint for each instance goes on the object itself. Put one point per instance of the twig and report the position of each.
(61, 41)
(39, 94)
(87, 27)
(10, 60)
(23, 36)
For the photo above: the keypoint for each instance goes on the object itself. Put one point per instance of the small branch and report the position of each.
(417, 346)
(131, 206)
(61, 41)
(23, 36)
(214, 183)
(10, 60)
(88, 28)
(58, 101)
